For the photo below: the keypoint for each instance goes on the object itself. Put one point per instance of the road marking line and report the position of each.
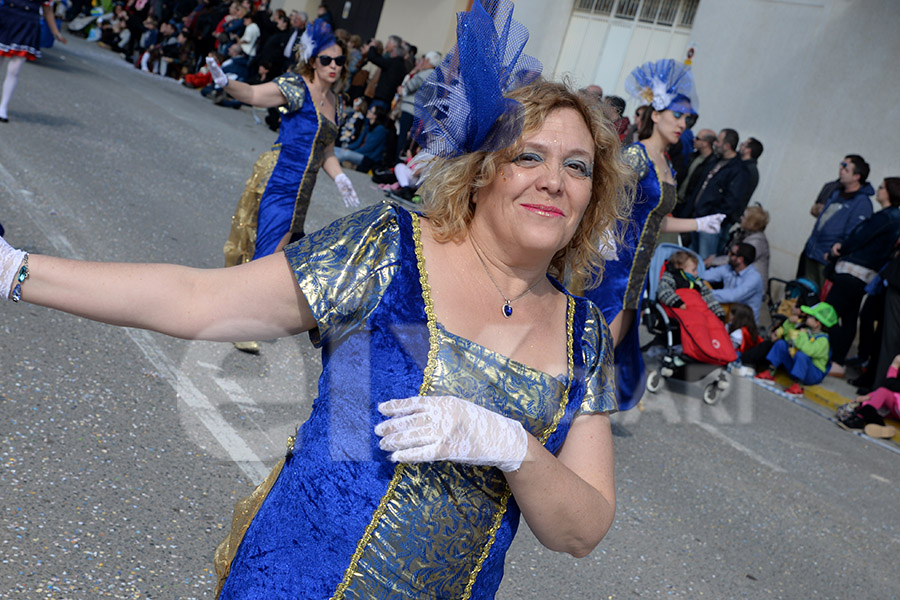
(739, 447)
(212, 419)
(227, 437)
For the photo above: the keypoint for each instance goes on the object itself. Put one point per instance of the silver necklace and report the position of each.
(507, 308)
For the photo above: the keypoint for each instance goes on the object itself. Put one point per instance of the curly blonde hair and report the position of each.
(451, 184)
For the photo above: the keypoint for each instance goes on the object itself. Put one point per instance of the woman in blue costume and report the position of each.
(20, 40)
(668, 88)
(272, 210)
(462, 386)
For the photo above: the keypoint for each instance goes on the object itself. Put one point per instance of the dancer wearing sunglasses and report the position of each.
(666, 87)
(272, 211)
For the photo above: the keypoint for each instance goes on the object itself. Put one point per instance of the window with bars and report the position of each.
(627, 9)
(660, 12)
(688, 13)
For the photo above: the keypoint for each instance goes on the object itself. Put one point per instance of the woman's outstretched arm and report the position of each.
(257, 300)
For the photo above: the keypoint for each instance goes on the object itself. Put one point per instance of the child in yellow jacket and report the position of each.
(804, 351)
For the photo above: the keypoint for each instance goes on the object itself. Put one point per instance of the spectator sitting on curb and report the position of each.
(867, 412)
(804, 352)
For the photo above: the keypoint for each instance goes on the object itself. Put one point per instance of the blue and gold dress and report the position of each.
(337, 519)
(624, 279)
(277, 194)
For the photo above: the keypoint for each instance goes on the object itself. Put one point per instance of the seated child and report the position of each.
(803, 351)
(742, 328)
(681, 272)
(868, 411)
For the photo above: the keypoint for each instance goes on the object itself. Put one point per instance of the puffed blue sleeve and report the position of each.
(344, 269)
(293, 88)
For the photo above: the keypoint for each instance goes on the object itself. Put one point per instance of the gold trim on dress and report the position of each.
(244, 511)
(641, 241)
(545, 435)
(430, 366)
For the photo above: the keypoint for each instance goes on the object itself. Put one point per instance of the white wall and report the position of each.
(813, 81)
(427, 24)
(546, 22)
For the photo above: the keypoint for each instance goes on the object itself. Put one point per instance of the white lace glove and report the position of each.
(710, 223)
(10, 262)
(218, 75)
(437, 428)
(347, 191)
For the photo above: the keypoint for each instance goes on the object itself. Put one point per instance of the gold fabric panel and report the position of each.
(244, 511)
(293, 88)
(344, 268)
(647, 241)
(635, 157)
(241, 243)
(600, 375)
(457, 507)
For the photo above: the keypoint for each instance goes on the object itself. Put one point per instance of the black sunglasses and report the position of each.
(326, 60)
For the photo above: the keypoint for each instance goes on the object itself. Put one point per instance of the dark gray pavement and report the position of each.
(122, 452)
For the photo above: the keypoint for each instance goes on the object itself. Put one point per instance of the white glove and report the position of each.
(347, 191)
(218, 75)
(10, 262)
(608, 249)
(438, 428)
(710, 223)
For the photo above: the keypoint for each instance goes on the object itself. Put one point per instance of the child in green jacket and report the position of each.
(804, 351)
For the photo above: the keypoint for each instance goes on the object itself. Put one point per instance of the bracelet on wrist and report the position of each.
(16, 294)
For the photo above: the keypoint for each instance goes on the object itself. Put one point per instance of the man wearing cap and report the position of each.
(804, 351)
(740, 280)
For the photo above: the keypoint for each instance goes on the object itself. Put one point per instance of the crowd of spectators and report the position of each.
(715, 172)
(255, 44)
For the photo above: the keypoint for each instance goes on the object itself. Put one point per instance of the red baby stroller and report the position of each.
(693, 345)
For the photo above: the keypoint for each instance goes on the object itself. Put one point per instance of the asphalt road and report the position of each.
(122, 452)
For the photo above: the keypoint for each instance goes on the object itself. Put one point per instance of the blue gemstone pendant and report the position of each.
(507, 310)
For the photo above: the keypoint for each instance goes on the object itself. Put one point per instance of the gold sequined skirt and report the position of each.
(241, 242)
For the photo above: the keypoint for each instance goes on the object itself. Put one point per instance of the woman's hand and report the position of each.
(10, 262)
(894, 363)
(218, 75)
(446, 428)
(60, 38)
(347, 192)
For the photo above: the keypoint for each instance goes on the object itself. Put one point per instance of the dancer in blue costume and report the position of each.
(667, 87)
(20, 37)
(462, 386)
(272, 209)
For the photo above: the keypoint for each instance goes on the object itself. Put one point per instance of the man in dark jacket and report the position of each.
(750, 150)
(844, 210)
(721, 191)
(701, 159)
(393, 70)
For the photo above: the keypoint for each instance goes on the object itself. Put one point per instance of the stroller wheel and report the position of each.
(654, 381)
(711, 393)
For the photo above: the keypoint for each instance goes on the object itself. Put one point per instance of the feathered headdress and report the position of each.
(462, 107)
(316, 37)
(664, 84)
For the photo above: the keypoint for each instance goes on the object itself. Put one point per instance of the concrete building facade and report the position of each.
(814, 80)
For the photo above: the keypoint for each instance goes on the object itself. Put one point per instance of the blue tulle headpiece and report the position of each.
(315, 38)
(462, 107)
(664, 84)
